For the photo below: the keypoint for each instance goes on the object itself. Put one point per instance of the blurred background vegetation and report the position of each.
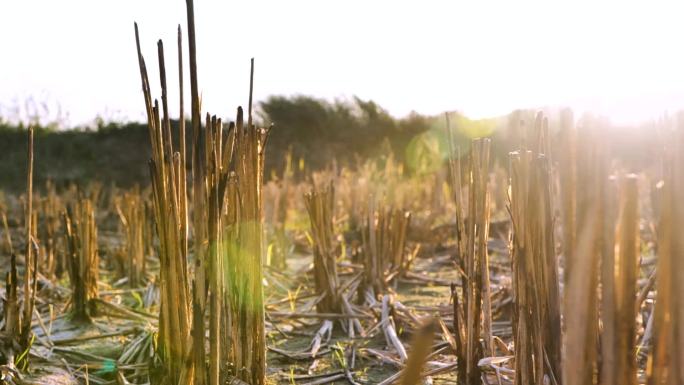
(316, 132)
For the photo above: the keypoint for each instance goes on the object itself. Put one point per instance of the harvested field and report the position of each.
(557, 264)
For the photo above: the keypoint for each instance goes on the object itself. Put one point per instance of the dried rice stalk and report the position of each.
(384, 248)
(618, 359)
(175, 316)
(666, 360)
(132, 213)
(536, 321)
(82, 258)
(476, 306)
(51, 206)
(320, 205)
(582, 266)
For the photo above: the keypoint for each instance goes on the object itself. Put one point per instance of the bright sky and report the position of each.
(482, 58)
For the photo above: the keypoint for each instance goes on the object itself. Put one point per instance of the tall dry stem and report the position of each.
(619, 280)
(580, 306)
(666, 360)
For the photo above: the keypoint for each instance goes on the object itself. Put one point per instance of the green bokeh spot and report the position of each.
(108, 366)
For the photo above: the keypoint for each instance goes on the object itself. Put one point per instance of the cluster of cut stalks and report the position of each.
(51, 208)
(601, 250)
(384, 249)
(537, 313)
(59, 236)
(593, 333)
(472, 308)
(384, 257)
(225, 210)
(333, 296)
(320, 206)
(82, 258)
(137, 245)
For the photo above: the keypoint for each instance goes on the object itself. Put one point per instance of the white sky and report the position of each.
(483, 58)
